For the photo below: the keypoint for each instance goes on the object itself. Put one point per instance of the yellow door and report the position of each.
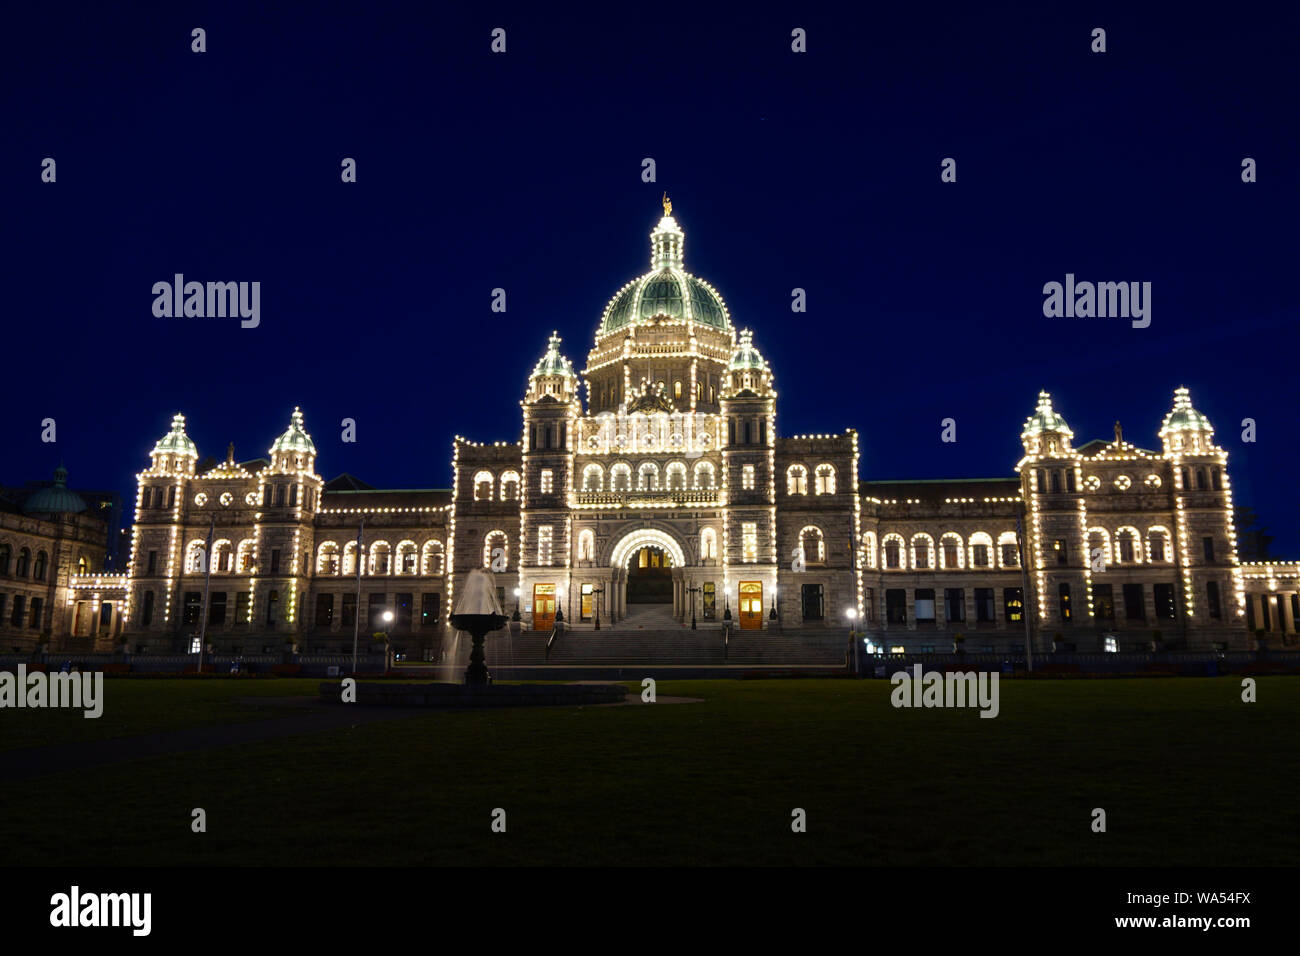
(751, 604)
(543, 607)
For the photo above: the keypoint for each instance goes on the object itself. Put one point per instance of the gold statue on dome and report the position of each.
(668, 205)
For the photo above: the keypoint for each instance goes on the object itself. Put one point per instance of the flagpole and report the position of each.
(356, 617)
(1024, 589)
(207, 589)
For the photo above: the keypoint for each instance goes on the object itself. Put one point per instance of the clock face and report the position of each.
(226, 498)
(201, 499)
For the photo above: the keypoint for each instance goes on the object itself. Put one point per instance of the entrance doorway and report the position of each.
(751, 605)
(543, 607)
(650, 576)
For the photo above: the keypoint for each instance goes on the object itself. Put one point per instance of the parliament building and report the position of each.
(654, 487)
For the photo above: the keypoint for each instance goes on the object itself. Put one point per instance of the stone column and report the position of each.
(1284, 607)
(1257, 610)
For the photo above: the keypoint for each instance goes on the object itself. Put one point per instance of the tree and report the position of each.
(1253, 541)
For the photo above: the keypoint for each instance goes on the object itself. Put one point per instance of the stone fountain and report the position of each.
(478, 614)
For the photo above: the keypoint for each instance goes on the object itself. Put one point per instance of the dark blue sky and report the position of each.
(522, 171)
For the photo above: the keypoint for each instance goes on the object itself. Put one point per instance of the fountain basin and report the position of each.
(461, 696)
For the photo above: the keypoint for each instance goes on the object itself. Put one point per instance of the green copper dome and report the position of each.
(1183, 417)
(176, 442)
(295, 440)
(746, 355)
(56, 499)
(1046, 419)
(666, 290)
(553, 363)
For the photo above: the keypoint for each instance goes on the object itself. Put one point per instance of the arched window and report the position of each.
(676, 473)
(586, 545)
(677, 389)
(708, 545)
(892, 546)
(24, 563)
(1008, 550)
(813, 545)
(825, 479)
(38, 571)
(796, 480)
(223, 556)
(951, 551)
(1128, 545)
(245, 555)
(431, 557)
(82, 565)
(1200, 479)
(704, 478)
(509, 485)
(981, 550)
(1158, 548)
(380, 555)
(496, 551)
(483, 486)
(647, 478)
(1099, 554)
(620, 477)
(195, 559)
(922, 551)
(593, 478)
(5, 552)
(327, 558)
(350, 558)
(869, 549)
(407, 554)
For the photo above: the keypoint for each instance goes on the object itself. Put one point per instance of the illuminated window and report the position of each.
(796, 480)
(747, 477)
(825, 479)
(483, 486)
(708, 544)
(544, 553)
(548, 480)
(676, 472)
(620, 477)
(509, 485)
(593, 478)
(704, 475)
(327, 558)
(749, 542)
(648, 477)
(496, 551)
(586, 545)
(813, 545)
(431, 558)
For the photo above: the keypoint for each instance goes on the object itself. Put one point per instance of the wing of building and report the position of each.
(653, 488)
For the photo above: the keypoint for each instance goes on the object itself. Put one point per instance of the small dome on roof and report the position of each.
(176, 442)
(56, 499)
(295, 440)
(553, 363)
(1046, 419)
(1183, 417)
(746, 355)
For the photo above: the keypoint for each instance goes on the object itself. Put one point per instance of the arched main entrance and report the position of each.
(648, 563)
(650, 576)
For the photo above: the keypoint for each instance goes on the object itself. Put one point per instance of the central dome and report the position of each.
(667, 290)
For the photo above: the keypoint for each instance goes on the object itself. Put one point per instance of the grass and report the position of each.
(1186, 772)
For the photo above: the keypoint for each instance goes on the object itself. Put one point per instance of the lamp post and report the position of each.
(515, 616)
(596, 593)
(772, 617)
(388, 628)
(852, 615)
(692, 592)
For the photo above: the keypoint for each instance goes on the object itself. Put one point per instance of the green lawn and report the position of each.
(1186, 773)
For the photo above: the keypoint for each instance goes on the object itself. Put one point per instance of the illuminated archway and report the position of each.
(643, 538)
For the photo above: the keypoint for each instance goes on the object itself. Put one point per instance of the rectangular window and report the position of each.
(147, 614)
(984, 613)
(548, 480)
(544, 545)
(1164, 594)
(16, 619)
(404, 606)
(896, 606)
(954, 604)
(1013, 605)
(924, 605)
(1207, 544)
(980, 555)
(1103, 601)
(193, 606)
(217, 608)
(749, 542)
(1157, 547)
(921, 560)
(429, 605)
(950, 554)
(36, 613)
(324, 610)
(813, 602)
(747, 477)
(710, 599)
(349, 609)
(242, 607)
(1062, 551)
(1067, 610)
(266, 496)
(275, 560)
(1134, 608)
(272, 605)
(153, 562)
(1212, 599)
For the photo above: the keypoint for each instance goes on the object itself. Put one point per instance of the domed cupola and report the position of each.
(667, 291)
(1185, 430)
(553, 375)
(1045, 433)
(294, 450)
(56, 499)
(175, 452)
(747, 371)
